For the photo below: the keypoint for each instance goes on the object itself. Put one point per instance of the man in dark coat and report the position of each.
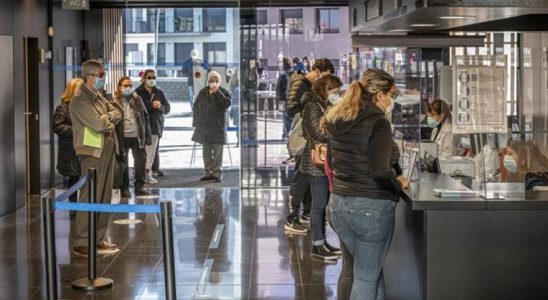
(209, 121)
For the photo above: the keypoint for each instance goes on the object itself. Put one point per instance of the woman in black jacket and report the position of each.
(314, 104)
(365, 187)
(135, 134)
(67, 161)
(209, 121)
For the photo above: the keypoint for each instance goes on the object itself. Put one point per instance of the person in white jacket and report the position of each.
(439, 118)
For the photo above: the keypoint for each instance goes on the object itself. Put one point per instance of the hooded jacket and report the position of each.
(209, 116)
(313, 111)
(360, 150)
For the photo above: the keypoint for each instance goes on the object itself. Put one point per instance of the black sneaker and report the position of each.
(207, 178)
(295, 227)
(159, 173)
(333, 249)
(323, 254)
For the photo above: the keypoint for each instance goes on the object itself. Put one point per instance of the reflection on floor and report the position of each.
(254, 259)
(183, 178)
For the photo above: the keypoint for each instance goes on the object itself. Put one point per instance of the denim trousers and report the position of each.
(365, 227)
(319, 190)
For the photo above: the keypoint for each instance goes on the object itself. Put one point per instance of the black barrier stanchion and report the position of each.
(49, 243)
(167, 236)
(92, 283)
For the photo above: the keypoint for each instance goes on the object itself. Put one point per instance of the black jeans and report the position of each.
(71, 181)
(139, 160)
(156, 163)
(320, 197)
(299, 192)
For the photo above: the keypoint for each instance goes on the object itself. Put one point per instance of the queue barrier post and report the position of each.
(167, 236)
(49, 248)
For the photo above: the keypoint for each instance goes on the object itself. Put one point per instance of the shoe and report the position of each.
(295, 227)
(126, 194)
(333, 249)
(207, 178)
(82, 251)
(159, 173)
(105, 248)
(142, 192)
(323, 254)
(219, 179)
(305, 219)
(149, 179)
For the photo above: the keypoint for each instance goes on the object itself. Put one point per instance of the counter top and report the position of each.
(420, 195)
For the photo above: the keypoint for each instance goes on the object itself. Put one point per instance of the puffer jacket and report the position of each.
(209, 116)
(313, 110)
(67, 161)
(360, 151)
(299, 85)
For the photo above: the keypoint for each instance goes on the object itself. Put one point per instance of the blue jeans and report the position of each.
(287, 125)
(319, 190)
(365, 227)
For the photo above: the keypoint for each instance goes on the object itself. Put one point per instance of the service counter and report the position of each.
(468, 247)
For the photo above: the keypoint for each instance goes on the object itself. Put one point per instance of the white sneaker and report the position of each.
(105, 248)
(149, 179)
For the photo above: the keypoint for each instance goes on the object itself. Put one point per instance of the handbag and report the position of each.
(318, 154)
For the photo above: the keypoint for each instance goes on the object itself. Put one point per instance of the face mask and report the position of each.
(432, 122)
(99, 83)
(151, 82)
(213, 85)
(510, 164)
(333, 98)
(127, 92)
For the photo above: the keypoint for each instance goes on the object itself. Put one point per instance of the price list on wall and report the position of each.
(479, 94)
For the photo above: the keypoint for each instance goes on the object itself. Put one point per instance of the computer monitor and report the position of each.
(431, 163)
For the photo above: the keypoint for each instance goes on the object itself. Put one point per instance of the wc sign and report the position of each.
(76, 4)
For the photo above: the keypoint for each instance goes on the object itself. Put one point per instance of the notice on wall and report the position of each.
(479, 94)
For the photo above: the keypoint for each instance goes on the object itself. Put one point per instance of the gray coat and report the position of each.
(91, 109)
(209, 116)
(140, 114)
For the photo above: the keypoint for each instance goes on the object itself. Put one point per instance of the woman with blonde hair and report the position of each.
(67, 161)
(525, 163)
(365, 187)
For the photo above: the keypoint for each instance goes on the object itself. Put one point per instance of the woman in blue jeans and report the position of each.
(325, 91)
(365, 187)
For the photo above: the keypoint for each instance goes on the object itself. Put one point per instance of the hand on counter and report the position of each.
(404, 181)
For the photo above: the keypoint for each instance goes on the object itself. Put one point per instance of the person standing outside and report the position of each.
(136, 134)
(67, 161)
(157, 106)
(209, 121)
(92, 114)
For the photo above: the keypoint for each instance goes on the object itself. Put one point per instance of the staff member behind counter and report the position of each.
(439, 118)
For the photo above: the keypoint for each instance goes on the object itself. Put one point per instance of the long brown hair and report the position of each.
(530, 159)
(324, 84)
(118, 92)
(73, 85)
(373, 81)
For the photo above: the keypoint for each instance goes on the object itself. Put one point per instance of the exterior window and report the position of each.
(215, 53)
(132, 54)
(327, 20)
(182, 52)
(150, 54)
(292, 19)
(214, 20)
(184, 20)
(161, 54)
(262, 18)
(149, 25)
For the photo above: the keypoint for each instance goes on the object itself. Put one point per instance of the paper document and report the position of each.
(92, 139)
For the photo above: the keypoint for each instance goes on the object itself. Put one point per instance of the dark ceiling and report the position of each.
(210, 3)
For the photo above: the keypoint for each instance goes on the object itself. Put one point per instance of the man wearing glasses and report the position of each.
(93, 115)
(157, 106)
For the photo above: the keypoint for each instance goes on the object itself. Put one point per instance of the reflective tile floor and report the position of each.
(228, 245)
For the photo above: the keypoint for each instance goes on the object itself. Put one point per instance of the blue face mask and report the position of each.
(510, 164)
(127, 92)
(432, 122)
(100, 83)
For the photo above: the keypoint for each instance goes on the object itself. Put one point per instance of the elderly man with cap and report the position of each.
(209, 121)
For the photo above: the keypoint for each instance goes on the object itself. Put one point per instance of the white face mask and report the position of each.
(333, 98)
(151, 82)
(213, 85)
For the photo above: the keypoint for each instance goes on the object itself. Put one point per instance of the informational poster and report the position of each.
(479, 94)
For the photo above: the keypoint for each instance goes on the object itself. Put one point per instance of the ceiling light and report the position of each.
(455, 17)
(398, 30)
(424, 25)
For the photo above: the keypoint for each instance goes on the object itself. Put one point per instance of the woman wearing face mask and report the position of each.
(439, 118)
(157, 106)
(324, 93)
(136, 133)
(365, 187)
(209, 122)
(525, 163)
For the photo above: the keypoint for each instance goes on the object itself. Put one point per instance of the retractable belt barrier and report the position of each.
(92, 282)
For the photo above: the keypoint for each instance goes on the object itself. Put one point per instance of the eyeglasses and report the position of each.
(127, 85)
(151, 77)
(394, 95)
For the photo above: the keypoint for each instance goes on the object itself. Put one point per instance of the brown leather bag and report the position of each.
(318, 154)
